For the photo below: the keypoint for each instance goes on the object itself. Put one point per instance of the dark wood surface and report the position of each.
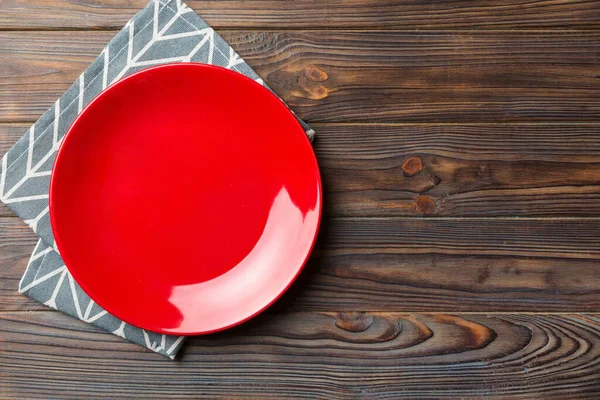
(459, 256)
(362, 76)
(315, 356)
(347, 14)
(415, 265)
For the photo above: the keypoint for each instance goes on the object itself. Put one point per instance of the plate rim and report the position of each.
(319, 192)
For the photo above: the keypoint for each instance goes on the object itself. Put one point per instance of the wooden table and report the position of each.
(459, 256)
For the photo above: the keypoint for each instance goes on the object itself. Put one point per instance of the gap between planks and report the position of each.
(423, 218)
(374, 29)
(294, 311)
(25, 123)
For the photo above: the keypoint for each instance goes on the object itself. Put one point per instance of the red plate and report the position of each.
(185, 199)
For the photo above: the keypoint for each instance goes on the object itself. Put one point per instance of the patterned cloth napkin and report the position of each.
(163, 32)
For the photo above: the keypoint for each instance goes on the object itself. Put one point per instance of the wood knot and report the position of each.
(483, 274)
(318, 93)
(354, 322)
(412, 166)
(315, 73)
(310, 92)
(424, 205)
(308, 82)
(474, 335)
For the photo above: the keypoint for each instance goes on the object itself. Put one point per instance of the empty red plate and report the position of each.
(185, 199)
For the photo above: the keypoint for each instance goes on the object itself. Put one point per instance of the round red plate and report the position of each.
(185, 199)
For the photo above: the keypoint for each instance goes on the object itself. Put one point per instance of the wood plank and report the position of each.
(415, 265)
(5, 211)
(460, 170)
(463, 170)
(379, 14)
(358, 76)
(469, 264)
(559, 238)
(9, 134)
(312, 355)
(17, 241)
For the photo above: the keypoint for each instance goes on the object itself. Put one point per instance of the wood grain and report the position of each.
(17, 241)
(457, 111)
(461, 170)
(573, 238)
(9, 134)
(466, 264)
(386, 264)
(372, 76)
(464, 170)
(312, 355)
(379, 14)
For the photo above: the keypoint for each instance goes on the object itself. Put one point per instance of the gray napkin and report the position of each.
(48, 281)
(163, 32)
